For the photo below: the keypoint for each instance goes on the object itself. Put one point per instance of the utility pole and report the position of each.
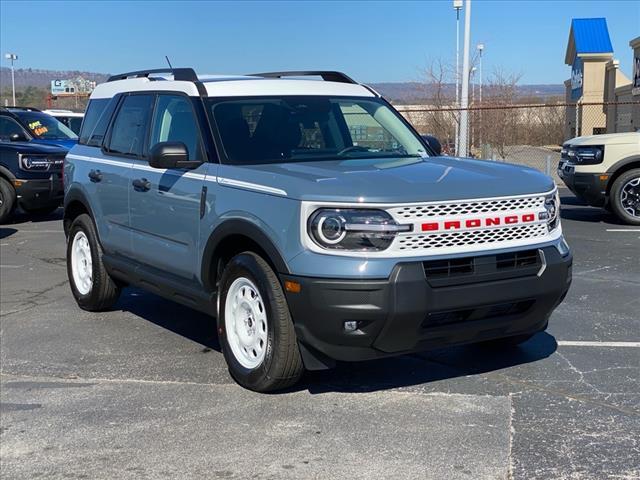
(12, 57)
(480, 49)
(464, 113)
(457, 5)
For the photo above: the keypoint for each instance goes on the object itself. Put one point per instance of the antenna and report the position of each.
(168, 62)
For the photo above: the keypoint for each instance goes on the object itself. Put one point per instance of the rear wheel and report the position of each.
(91, 285)
(255, 328)
(7, 200)
(625, 197)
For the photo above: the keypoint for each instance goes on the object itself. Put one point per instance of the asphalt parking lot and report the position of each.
(143, 392)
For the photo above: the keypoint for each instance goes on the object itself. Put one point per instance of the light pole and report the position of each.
(480, 49)
(472, 73)
(457, 5)
(12, 57)
(464, 113)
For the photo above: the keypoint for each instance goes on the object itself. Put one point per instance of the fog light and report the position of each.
(563, 247)
(350, 326)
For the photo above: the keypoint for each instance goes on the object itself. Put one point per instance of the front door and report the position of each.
(164, 204)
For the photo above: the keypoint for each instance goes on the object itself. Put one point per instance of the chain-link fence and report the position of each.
(529, 135)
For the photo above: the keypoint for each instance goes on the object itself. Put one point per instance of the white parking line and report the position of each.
(568, 343)
(623, 230)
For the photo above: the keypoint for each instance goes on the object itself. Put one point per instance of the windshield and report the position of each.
(296, 129)
(45, 127)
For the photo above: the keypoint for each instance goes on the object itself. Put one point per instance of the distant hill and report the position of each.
(398, 92)
(31, 77)
(414, 92)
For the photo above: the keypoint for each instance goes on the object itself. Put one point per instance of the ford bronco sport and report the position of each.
(604, 171)
(308, 217)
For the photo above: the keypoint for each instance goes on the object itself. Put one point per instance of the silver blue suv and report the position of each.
(308, 217)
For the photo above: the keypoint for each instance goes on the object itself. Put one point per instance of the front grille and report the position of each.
(466, 207)
(468, 238)
(514, 260)
(449, 268)
(437, 319)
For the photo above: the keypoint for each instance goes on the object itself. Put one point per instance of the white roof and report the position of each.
(233, 86)
(54, 112)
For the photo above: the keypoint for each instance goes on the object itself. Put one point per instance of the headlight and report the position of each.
(552, 207)
(353, 229)
(586, 155)
(40, 163)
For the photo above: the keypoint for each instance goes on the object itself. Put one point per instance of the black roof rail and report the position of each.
(180, 74)
(185, 74)
(326, 75)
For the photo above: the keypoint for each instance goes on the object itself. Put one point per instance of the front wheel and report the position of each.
(625, 197)
(255, 328)
(91, 285)
(7, 201)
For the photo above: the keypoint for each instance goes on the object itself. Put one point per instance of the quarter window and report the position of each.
(130, 125)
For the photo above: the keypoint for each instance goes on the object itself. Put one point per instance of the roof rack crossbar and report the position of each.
(185, 74)
(326, 75)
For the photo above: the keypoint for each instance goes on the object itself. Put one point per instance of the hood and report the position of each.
(67, 144)
(606, 139)
(394, 180)
(34, 147)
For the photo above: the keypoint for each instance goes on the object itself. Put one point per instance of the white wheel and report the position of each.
(82, 263)
(246, 323)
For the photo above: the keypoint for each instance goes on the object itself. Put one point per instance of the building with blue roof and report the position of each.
(595, 78)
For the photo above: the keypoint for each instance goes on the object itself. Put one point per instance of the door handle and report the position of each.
(95, 175)
(141, 184)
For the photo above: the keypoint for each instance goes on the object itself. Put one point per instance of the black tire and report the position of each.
(7, 201)
(41, 210)
(615, 196)
(104, 292)
(507, 342)
(282, 365)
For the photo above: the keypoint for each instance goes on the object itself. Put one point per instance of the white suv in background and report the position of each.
(73, 120)
(604, 171)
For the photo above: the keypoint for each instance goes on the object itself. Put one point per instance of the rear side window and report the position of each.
(129, 128)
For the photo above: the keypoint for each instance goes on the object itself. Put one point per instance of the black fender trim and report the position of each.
(5, 172)
(621, 163)
(238, 227)
(75, 195)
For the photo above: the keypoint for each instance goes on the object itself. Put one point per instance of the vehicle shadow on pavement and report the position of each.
(425, 368)
(6, 232)
(370, 376)
(172, 316)
(573, 208)
(21, 217)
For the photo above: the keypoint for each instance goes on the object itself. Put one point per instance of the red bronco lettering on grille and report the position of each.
(478, 222)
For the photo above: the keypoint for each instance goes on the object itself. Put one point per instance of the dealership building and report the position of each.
(603, 98)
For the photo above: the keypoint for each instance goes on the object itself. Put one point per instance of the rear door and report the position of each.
(165, 203)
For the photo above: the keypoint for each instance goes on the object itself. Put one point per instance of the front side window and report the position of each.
(175, 121)
(45, 127)
(130, 125)
(296, 129)
(9, 127)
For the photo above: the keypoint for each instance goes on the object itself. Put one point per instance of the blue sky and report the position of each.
(371, 41)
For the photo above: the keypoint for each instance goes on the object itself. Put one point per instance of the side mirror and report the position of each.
(171, 155)
(18, 137)
(434, 143)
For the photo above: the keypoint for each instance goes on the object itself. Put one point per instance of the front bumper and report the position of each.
(36, 193)
(590, 187)
(411, 311)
